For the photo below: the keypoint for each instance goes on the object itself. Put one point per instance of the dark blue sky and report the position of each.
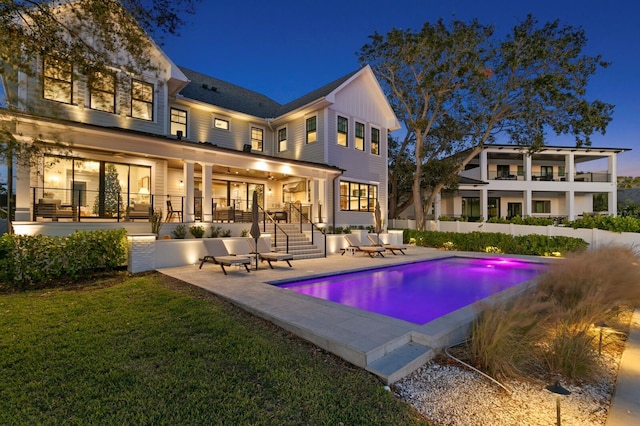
(285, 49)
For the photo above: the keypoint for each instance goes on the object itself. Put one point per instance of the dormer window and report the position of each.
(102, 91)
(57, 80)
(142, 100)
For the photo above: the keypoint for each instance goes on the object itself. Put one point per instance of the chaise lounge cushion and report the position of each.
(218, 254)
(265, 253)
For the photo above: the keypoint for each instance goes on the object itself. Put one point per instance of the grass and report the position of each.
(152, 350)
(554, 327)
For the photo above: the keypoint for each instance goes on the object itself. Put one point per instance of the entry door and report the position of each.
(514, 209)
(493, 208)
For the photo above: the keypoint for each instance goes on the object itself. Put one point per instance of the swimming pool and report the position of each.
(423, 291)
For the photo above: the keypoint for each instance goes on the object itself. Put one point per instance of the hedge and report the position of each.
(28, 261)
(536, 245)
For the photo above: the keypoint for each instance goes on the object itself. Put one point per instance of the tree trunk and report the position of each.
(417, 183)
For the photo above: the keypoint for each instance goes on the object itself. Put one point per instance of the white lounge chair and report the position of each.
(218, 254)
(265, 254)
(376, 241)
(354, 243)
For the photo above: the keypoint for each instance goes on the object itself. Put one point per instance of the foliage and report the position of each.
(180, 231)
(244, 233)
(535, 245)
(529, 220)
(226, 233)
(629, 208)
(156, 221)
(197, 230)
(608, 223)
(552, 326)
(151, 350)
(31, 261)
(215, 231)
(457, 87)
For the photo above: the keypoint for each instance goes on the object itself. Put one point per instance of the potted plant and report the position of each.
(179, 232)
(196, 230)
(156, 221)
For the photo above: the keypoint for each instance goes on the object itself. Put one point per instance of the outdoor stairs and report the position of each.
(299, 245)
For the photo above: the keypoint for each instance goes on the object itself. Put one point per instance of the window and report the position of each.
(178, 122)
(375, 141)
(58, 80)
(520, 170)
(359, 142)
(542, 206)
(514, 209)
(546, 172)
(257, 138)
(312, 132)
(282, 139)
(503, 171)
(102, 91)
(471, 208)
(219, 123)
(343, 132)
(356, 196)
(141, 100)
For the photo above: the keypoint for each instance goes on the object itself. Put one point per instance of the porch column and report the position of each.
(527, 167)
(570, 204)
(23, 193)
(571, 167)
(484, 166)
(188, 211)
(527, 200)
(437, 206)
(484, 204)
(207, 192)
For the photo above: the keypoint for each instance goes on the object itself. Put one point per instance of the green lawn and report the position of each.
(152, 350)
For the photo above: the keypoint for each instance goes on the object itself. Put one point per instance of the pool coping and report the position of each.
(388, 347)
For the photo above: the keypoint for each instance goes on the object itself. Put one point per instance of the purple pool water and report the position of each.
(421, 292)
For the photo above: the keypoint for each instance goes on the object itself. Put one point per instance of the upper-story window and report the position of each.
(178, 123)
(102, 91)
(57, 80)
(312, 129)
(142, 100)
(282, 139)
(343, 131)
(359, 141)
(375, 141)
(220, 123)
(257, 139)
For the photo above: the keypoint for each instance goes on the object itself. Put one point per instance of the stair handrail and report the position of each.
(275, 228)
(313, 225)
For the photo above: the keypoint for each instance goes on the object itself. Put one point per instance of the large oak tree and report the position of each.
(458, 87)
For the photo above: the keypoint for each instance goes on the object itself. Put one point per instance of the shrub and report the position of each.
(31, 261)
(553, 325)
(179, 232)
(536, 245)
(156, 221)
(196, 230)
(215, 231)
(226, 233)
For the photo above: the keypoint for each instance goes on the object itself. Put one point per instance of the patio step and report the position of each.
(299, 245)
(400, 362)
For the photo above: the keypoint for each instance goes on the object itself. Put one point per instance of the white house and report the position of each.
(558, 182)
(202, 144)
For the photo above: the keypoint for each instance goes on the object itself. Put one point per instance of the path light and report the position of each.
(601, 325)
(558, 390)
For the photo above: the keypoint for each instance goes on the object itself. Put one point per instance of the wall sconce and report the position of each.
(181, 185)
(269, 190)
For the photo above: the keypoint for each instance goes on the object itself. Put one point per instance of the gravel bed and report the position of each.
(450, 394)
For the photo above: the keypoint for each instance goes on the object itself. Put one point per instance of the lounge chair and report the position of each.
(354, 244)
(376, 241)
(219, 255)
(265, 254)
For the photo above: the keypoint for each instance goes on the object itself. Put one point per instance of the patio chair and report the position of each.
(354, 244)
(265, 254)
(171, 212)
(376, 241)
(219, 255)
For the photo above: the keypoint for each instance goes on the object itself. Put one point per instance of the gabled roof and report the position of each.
(463, 180)
(317, 94)
(220, 93)
(213, 91)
